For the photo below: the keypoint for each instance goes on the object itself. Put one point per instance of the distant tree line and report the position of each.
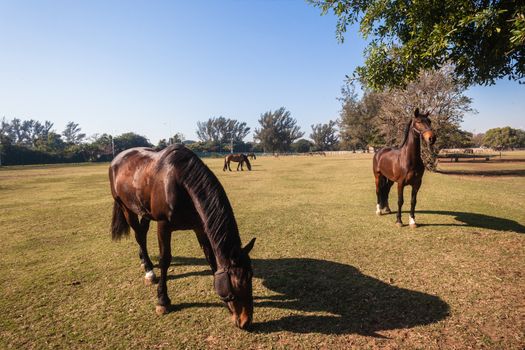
(372, 120)
(33, 142)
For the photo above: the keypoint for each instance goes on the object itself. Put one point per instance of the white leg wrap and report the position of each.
(150, 275)
(378, 210)
(412, 221)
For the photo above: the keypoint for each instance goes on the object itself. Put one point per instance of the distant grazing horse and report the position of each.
(240, 158)
(251, 156)
(402, 165)
(317, 153)
(176, 189)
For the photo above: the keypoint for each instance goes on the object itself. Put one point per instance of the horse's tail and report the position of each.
(119, 225)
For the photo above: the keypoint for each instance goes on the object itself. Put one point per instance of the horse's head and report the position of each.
(234, 286)
(245, 157)
(421, 123)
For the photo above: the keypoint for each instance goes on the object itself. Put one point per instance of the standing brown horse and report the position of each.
(176, 189)
(403, 165)
(252, 156)
(239, 158)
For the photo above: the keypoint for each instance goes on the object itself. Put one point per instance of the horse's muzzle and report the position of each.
(243, 323)
(429, 137)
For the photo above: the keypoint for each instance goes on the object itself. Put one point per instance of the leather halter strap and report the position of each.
(420, 132)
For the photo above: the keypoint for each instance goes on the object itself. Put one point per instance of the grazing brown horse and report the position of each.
(176, 189)
(251, 156)
(239, 158)
(402, 165)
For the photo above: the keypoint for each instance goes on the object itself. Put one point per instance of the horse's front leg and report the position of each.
(164, 237)
(413, 201)
(400, 187)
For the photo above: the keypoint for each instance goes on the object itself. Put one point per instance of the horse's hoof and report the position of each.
(149, 278)
(399, 224)
(413, 225)
(386, 211)
(161, 310)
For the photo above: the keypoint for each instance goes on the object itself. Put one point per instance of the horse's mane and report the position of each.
(208, 196)
(407, 130)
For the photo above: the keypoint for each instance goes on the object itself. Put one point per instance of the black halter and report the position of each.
(420, 132)
(223, 285)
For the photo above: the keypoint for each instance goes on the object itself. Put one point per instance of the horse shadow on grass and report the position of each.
(477, 220)
(348, 301)
(482, 172)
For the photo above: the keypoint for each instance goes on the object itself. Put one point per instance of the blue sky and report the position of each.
(158, 67)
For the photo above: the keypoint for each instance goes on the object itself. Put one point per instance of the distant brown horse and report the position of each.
(403, 165)
(251, 156)
(239, 158)
(176, 189)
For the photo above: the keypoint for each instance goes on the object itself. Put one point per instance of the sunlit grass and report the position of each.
(329, 273)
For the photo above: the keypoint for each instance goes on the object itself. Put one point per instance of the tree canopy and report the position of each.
(24, 132)
(482, 40)
(434, 92)
(129, 140)
(325, 136)
(358, 121)
(222, 130)
(72, 134)
(302, 146)
(504, 138)
(278, 130)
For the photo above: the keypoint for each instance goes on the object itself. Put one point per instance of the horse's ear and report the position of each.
(247, 248)
(416, 113)
(427, 114)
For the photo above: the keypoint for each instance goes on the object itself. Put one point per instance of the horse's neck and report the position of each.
(412, 148)
(224, 252)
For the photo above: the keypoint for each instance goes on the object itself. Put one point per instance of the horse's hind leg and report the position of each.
(378, 193)
(141, 231)
(382, 189)
(206, 247)
(164, 237)
(386, 191)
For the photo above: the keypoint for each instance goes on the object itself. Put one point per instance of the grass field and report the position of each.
(329, 273)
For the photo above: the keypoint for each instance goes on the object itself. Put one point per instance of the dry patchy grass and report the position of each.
(328, 272)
